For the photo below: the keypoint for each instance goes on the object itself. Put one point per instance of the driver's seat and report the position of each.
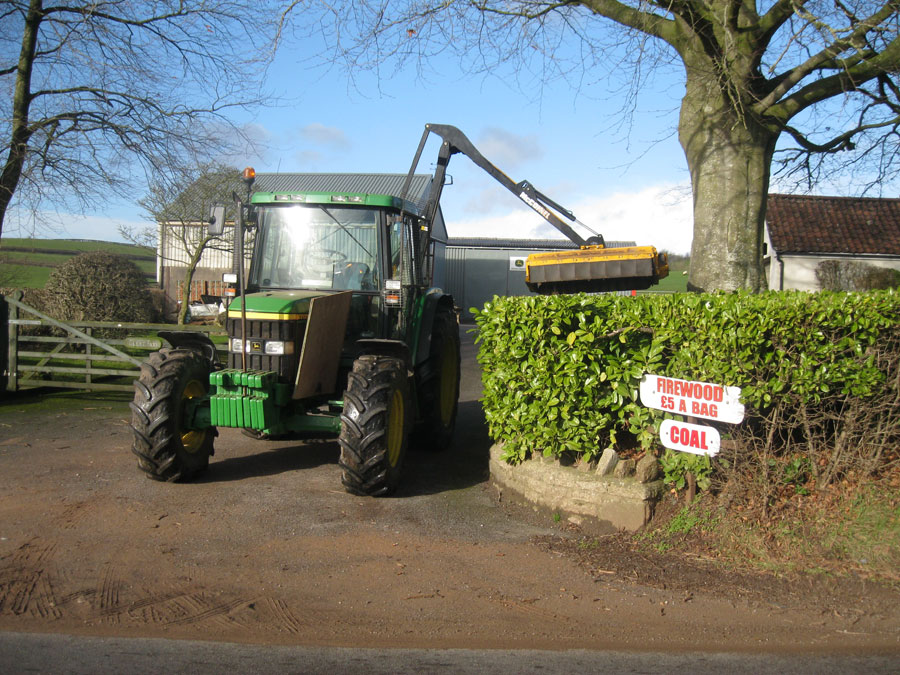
(352, 276)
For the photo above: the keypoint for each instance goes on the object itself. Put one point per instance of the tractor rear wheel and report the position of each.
(166, 447)
(439, 384)
(374, 425)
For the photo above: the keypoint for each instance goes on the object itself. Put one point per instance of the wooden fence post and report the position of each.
(87, 356)
(12, 361)
(4, 340)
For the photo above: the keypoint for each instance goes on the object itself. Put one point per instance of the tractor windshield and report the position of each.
(316, 247)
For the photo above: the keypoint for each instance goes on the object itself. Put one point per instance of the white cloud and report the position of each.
(503, 148)
(659, 216)
(486, 201)
(308, 158)
(249, 145)
(324, 135)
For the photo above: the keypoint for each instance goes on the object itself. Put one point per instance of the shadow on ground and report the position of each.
(464, 464)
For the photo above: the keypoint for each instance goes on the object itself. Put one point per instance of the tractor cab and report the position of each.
(322, 243)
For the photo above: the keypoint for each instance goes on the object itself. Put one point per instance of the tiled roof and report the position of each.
(855, 225)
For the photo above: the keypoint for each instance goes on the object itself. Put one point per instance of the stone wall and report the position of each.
(612, 494)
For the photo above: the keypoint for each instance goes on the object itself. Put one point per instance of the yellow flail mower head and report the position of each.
(595, 269)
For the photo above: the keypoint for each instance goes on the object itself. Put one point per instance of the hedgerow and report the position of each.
(99, 286)
(818, 372)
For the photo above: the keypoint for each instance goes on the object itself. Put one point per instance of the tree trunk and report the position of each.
(729, 156)
(196, 254)
(185, 295)
(20, 133)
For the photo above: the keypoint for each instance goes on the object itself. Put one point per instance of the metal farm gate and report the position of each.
(39, 351)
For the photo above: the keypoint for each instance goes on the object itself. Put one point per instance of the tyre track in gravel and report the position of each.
(180, 608)
(107, 595)
(26, 586)
(284, 617)
(28, 589)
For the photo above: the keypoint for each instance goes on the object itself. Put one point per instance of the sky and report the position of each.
(627, 183)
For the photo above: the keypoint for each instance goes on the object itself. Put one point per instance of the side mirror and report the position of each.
(217, 220)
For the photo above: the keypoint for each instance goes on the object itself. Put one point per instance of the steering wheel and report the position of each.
(322, 260)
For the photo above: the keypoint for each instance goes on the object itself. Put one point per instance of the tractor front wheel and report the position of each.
(167, 447)
(374, 425)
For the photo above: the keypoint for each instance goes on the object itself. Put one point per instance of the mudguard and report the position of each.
(199, 342)
(432, 300)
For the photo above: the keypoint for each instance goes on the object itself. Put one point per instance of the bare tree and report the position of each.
(100, 92)
(756, 72)
(179, 204)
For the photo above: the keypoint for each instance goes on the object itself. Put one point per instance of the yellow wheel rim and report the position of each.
(192, 440)
(395, 428)
(449, 371)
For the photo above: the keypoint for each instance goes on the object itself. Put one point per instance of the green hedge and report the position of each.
(561, 373)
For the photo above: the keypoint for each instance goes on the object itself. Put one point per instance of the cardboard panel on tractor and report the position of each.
(322, 345)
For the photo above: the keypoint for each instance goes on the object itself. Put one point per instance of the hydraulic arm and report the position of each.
(590, 268)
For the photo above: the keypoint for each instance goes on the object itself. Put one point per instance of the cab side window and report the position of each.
(396, 240)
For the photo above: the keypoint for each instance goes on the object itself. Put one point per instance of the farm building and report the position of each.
(803, 232)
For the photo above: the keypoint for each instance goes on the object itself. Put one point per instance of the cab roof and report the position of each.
(372, 189)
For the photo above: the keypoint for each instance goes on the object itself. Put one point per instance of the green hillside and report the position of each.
(27, 263)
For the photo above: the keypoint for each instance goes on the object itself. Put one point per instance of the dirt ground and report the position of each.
(267, 548)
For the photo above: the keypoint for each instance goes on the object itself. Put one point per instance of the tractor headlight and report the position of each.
(269, 347)
(277, 347)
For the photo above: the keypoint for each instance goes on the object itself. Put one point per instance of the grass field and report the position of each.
(27, 263)
(74, 245)
(676, 282)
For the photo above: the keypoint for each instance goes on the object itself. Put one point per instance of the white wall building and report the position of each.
(804, 231)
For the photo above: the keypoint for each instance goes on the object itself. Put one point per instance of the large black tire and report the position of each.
(375, 425)
(439, 384)
(165, 449)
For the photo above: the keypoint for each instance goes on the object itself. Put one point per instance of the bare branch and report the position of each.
(854, 69)
(104, 92)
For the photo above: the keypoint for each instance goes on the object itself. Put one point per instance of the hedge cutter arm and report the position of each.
(592, 267)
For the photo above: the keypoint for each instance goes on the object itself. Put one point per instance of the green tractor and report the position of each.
(338, 332)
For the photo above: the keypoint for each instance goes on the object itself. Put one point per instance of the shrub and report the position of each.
(99, 286)
(851, 275)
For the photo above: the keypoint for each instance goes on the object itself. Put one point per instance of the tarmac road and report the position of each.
(68, 655)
